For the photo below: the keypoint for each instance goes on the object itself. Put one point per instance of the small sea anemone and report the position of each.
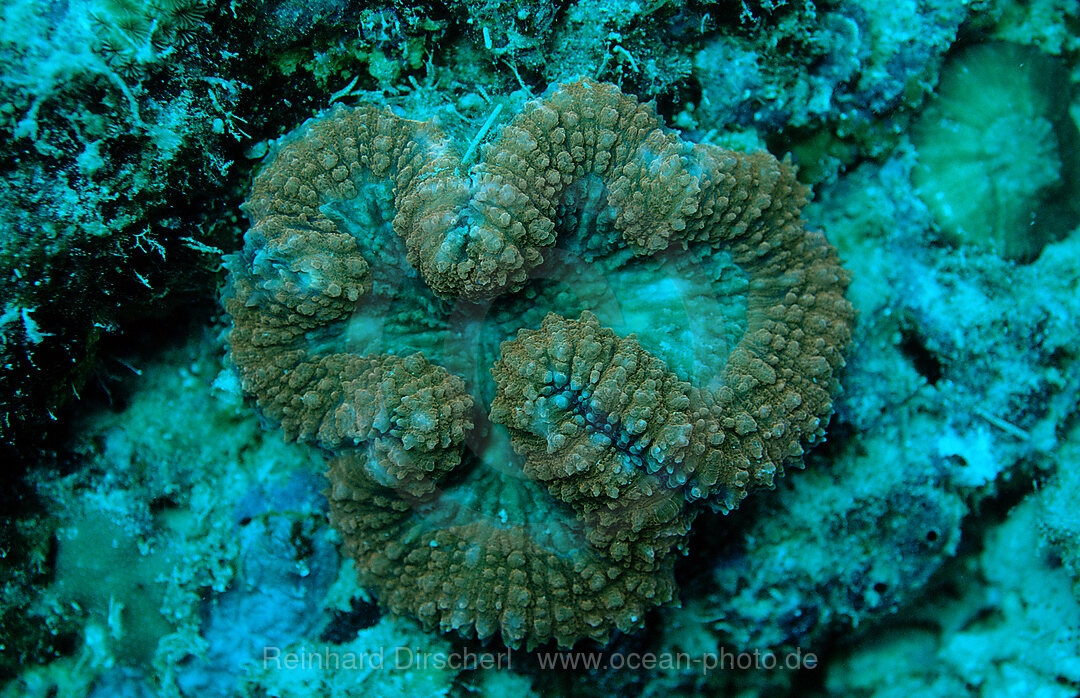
(999, 155)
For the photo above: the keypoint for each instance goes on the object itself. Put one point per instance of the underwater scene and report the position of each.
(546, 348)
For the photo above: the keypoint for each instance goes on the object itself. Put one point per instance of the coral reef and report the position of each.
(112, 113)
(224, 549)
(156, 539)
(285, 567)
(923, 371)
(1013, 622)
(840, 65)
(619, 442)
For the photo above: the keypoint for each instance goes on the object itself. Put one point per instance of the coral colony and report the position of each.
(574, 531)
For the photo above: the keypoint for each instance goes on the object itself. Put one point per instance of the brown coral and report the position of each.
(378, 279)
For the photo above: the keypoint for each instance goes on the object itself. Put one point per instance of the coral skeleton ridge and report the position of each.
(531, 374)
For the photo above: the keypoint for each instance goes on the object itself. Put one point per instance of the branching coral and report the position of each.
(692, 350)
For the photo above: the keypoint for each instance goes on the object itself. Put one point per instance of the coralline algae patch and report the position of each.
(999, 153)
(94, 547)
(531, 374)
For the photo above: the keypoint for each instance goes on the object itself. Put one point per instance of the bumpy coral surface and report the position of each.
(670, 336)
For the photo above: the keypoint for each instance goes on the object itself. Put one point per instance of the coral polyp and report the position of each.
(999, 154)
(533, 374)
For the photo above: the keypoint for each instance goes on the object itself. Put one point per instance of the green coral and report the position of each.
(999, 154)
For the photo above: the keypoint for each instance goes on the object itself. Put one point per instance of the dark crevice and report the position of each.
(925, 361)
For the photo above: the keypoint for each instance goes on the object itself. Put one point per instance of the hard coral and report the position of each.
(999, 153)
(695, 352)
